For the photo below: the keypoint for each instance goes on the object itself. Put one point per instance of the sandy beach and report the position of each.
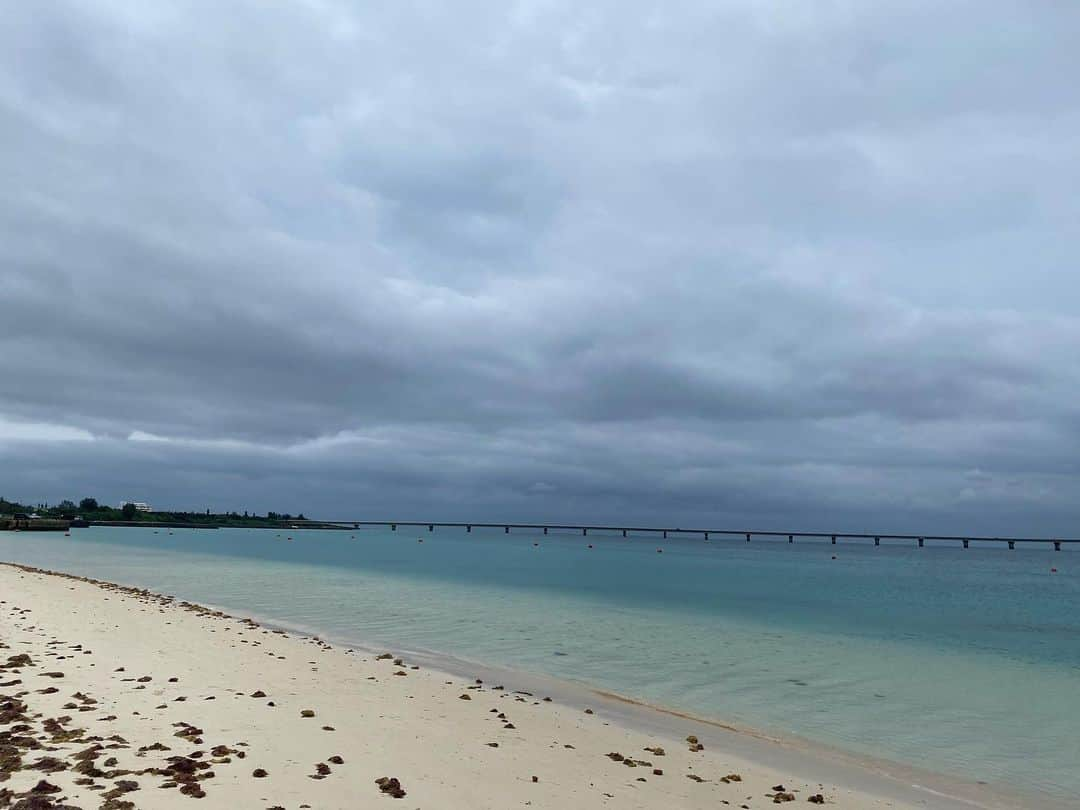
(115, 698)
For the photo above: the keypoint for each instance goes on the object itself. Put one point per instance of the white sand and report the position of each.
(414, 726)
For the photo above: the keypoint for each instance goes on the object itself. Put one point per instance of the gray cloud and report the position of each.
(661, 261)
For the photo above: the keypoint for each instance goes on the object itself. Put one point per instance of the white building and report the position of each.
(139, 506)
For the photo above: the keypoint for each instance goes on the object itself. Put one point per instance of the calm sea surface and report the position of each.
(962, 662)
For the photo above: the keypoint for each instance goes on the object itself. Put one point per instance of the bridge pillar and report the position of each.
(706, 535)
(665, 534)
(1012, 544)
(393, 527)
(506, 530)
(624, 532)
(748, 537)
(965, 544)
(584, 532)
(791, 538)
(1057, 545)
(545, 530)
(834, 539)
(468, 529)
(877, 541)
(920, 542)
(431, 527)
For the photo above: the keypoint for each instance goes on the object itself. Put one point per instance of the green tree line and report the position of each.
(91, 509)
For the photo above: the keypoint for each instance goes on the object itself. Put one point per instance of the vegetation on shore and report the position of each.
(91, 510)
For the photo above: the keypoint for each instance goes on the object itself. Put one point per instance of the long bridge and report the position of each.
(705, 533)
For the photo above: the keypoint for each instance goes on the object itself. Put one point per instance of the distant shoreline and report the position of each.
(179, 524)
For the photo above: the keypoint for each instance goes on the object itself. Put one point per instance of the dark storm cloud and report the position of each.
(665, 261)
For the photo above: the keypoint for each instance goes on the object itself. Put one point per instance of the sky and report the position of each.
(732, 264)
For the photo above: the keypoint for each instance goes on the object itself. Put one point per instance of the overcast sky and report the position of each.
(740, 263)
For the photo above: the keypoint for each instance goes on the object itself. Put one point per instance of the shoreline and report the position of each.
(792, 753)
(869, 782)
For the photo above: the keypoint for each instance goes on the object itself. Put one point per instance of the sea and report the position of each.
(961, 662)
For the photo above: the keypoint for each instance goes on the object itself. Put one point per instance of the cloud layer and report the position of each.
(653, 260)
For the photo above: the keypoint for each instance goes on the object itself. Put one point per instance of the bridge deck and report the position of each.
(706, 533)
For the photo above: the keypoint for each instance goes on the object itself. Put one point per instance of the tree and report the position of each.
(129, 511)
(88, 504)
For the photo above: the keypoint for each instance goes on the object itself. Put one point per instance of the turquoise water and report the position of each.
(966, 663)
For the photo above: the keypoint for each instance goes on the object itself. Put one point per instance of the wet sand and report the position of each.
(116, 698)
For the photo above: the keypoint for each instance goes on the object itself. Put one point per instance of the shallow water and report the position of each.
(966, 663)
